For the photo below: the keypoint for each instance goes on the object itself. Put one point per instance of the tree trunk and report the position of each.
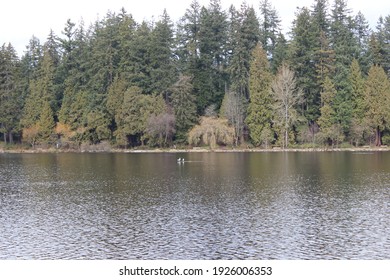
(10, 138)
(378, 137)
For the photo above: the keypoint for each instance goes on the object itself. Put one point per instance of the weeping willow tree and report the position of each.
(212, 132)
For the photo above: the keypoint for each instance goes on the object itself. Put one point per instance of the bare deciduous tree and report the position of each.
(233, 109)
(161, 128)
(287, 97)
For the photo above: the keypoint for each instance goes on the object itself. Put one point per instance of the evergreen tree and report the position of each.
(10, 98)
(41, 90)
(280, 53)
(362, 35)
(377, 102)
(345, 45)
(269, 28)
(320, 16)
(325, 60)
(211, 80)
(303, 48)
(132, 118)
(184, 107)
(162, 72)
(380, 44)
(245, 35)
(139, 67)
(356, 81)
(260, 109)
(329, 128)
(46, 124)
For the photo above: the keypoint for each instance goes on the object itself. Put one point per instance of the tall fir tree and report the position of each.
(10, 97)
(163, 71)
(269, 28)
(330, 132)
(184, 107)
(302, 52)
(377, 99)
(358, 125)
(260, 110)
(244, 32)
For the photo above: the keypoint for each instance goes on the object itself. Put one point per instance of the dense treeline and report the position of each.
(217, 77)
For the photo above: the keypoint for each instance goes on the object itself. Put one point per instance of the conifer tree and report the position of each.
(10, 98)
(245, 35)
(162, 71)
(377, 102)
(46, 123)
(358, 126)
(302, 62)
(184, 107)
(260, 109)
(41, 90)
(327, 121)
(269, 28)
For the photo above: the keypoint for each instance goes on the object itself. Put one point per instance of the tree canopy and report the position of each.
(160, 83)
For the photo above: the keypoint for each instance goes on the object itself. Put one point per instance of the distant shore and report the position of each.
(193, 150)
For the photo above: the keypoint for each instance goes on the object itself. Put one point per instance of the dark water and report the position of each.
(217, 206)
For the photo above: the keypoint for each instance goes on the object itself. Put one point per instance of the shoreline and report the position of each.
(192, 150)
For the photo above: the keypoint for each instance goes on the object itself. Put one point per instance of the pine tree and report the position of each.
(260, 109)
(377, 102)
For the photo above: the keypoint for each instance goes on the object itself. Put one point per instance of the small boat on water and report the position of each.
(180, 160)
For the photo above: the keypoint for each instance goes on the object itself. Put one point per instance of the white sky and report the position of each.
(20, 19)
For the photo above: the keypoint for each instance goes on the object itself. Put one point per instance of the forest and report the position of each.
(214, 78)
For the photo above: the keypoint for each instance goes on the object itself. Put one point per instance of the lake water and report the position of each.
(327, 205)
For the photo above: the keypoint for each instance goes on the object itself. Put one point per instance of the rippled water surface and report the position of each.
(214, 206)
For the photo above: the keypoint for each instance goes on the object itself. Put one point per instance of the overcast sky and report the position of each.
(20, 19)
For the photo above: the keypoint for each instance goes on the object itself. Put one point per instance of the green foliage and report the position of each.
(269, 28)
(121, 81)
(10, 99)
(184, 106)
(46, 124)
(260, 109)
(302, 51)
(245, 35)
(377, 101)
(330, 129)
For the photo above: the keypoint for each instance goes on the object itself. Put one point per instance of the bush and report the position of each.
(386, 140)
(212, 131)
